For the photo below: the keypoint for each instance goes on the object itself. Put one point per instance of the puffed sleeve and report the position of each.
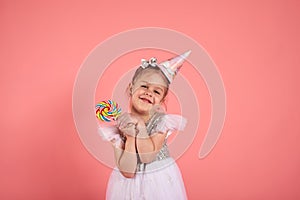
(111, 134)
(170, 123)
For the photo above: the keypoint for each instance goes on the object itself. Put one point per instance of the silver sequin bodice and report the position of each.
(151, 128)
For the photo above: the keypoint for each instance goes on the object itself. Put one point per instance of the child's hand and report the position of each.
(127, 124)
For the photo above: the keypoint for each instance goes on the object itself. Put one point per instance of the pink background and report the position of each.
(255, 45)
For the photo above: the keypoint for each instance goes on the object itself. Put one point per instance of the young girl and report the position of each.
(145, 169)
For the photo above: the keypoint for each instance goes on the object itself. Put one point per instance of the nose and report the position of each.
(149, 93)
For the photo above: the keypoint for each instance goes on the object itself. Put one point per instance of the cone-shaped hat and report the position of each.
(169, 67)
(172, 66)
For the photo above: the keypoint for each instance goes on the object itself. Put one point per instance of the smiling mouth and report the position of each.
(146, 100)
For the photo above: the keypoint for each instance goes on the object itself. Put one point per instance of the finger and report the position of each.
(123, 122)
(120, 119)
(130, 131)
(130, 124)
(126, 119)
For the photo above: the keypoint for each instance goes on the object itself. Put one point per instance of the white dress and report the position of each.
(160, 179)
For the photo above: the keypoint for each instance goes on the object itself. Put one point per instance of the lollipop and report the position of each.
(107, 110)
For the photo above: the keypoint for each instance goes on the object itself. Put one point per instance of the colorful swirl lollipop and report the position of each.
(107, 110)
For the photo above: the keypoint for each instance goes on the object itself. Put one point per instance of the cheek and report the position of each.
(136, 95)
(158, 100)
(136, 92)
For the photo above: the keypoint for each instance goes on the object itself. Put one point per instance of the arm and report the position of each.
(148, 146)
(126, 159)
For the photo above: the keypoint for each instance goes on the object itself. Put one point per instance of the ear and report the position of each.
(164, 101)
(129, 88)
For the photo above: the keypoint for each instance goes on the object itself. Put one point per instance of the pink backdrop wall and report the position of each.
(255, 45)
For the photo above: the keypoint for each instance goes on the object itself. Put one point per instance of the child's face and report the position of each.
(148, 90)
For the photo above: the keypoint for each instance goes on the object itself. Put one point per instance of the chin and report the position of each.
(142, 109)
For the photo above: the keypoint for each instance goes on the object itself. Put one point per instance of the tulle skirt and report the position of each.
(160, 180)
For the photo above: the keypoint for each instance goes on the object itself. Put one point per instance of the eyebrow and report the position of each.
(159, 88)
(156, 87)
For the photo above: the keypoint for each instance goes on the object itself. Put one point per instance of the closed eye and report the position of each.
(157, 92)
(144, 86)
